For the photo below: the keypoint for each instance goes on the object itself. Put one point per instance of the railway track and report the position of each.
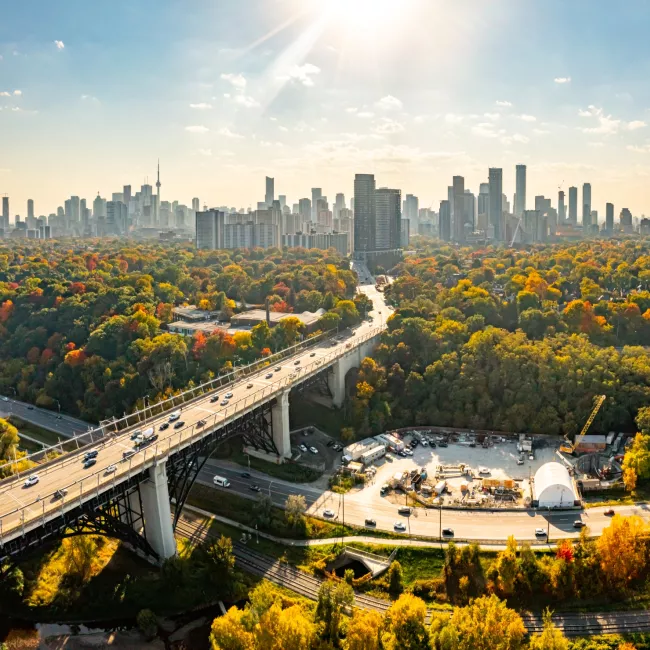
(572, 624)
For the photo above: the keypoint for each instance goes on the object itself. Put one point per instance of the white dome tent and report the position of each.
(553, 487)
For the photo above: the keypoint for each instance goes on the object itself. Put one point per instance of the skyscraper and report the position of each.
(5, 212)
(75, 211)
(210, 230)
(126, 190)
(411, 212)
(609, 218)
(304, 209)
(458, 208)
(520, 196)
(269, 197)
(388, 218)
(195, 204)
(495, 202)
(156, 212)
(316, 193)
(573, 205)
(444, 226)
(364, 212)
(470, 210)
(586, 206)
(30, 208)
(483, 198)
(339, 204)
(561, 208)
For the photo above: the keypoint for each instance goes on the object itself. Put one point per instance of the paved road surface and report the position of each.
(64, 425)
(69, 473)
(424, 522)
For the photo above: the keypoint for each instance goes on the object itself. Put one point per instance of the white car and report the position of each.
(483, 470)
(228, 395)
(540, 532)
(224, 402)
(313, 450)
(5, 399)
(328, 513)
(302, 448)
(110, 469)
(32, 480)
(408, 452)
(399, 525)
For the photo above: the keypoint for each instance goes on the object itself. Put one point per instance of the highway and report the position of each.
(482, 526)
(65, 425)
(21, 506)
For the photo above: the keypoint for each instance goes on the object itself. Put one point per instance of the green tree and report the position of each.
(147, 623)
(333, 598)
(347, 310)
(395, 580)
(295, 508)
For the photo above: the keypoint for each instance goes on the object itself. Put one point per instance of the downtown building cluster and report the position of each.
(466, 218)
(127, 213)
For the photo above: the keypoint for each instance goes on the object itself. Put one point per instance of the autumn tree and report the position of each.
(622, 549)
(404, 625)
(550, 638)
(333, 598)
(294, 511)
(364, 631)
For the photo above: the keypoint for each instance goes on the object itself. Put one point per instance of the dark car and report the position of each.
(403, 454)
(30, 408)
(90, 462)
(163, 426)
(330, 443)
(579, 524)
(59, 494)
(432, 444)
(447, 532)
(214, 398)
(245, 475)
(443, 444)
(296, 362)
(179, 424)
(200, 423)
(90, 454)
(371, 522)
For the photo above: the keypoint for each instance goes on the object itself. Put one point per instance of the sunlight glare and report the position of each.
(364, 17)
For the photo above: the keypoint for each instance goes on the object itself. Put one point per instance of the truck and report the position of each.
(176, 415)
(146, 437)
(440, 487)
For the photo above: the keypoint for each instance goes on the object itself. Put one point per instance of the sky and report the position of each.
(311, 92)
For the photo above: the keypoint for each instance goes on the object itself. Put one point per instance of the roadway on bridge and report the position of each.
(354, 508)
(65, 425)
(20, 505)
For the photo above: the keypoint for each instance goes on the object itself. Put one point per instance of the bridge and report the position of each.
(128, 493)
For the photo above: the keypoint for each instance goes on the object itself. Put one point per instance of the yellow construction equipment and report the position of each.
(569, 447)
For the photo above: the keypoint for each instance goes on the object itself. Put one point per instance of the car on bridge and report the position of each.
(163, 426)
(127, 454)
(111, 469)
(249, 385)
(224, 402)
(277, 368)
(175, 416)
(91, 454)
(89, 463)
(214, 398)
(59, 494)
(179, 424)
(269, 376)
(31, 480)
(228, 395)
(296, 362)
(200, 423)
(313, 354)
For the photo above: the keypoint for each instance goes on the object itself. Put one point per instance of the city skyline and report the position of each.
(296, 93)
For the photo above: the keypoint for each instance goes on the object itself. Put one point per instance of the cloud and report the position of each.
(91, 99)
(386, 126)
(18, 93)
(201, 106)
(504, 103)
(486, 130)
(562, 80)
(236, 80)
(245, 101)
(541, 131)
(365, 115)
(596, 144)
(635, 124)
(284, 129)
(491, 116)
(60, 45)
(302, 74)
(351, 109)
(607, 125)
(528, 118)
(453, 118)
(197, 129)
(518, 137)
(226, 132)
(4, 93)
(205, 152)
(639, 148)
(389, 103)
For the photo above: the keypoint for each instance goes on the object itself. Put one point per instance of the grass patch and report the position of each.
(304, 412)
(288, 471)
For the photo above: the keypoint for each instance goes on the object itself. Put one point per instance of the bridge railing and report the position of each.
(43, 506)
(141, 416)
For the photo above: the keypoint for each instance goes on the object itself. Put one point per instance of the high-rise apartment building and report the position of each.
(388, 218)
(626, 220)
(195, 204)
(75, 207)
(339, 204)
(269, 197)
(483, 199)
(586, 206)
(458, 208)
(444, 226)
(304, 209)
(470, 210)
(126, 191)
(209, 229)
(573, 205)
(495, 202)
(116, 218)
(411, 211)
(561, 208)
(30, 208)
(520, 191)
(609, 218)
(364, 212)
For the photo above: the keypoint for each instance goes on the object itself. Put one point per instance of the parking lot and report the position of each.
(326, 457)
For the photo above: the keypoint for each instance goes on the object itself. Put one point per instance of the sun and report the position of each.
(363, 17)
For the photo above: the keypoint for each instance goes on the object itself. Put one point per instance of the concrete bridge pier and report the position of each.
(280, 422)
(157, 512)
(339, 370)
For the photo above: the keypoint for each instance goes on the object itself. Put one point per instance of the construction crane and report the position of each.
(569, 447)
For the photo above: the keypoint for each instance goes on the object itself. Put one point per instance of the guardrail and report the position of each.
(185, 437)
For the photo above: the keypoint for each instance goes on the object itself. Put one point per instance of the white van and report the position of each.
(175, 416)
(221, 481)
